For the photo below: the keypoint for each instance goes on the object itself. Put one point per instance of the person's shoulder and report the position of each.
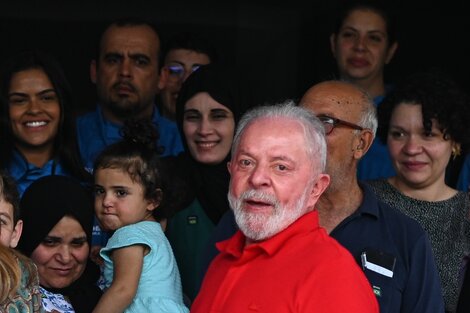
(143, 232)
(335, 269)
(87, 116)
(164, 123)
(324, 248)
(87, 123)
(398, 223)
(376, 185)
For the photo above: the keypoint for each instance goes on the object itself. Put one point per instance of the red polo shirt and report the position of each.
(301, 269)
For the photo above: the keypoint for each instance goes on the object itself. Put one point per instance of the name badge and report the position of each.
(379, 262)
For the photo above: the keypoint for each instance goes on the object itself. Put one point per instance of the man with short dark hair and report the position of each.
(183, 54)
(281, 260)
(126, 74)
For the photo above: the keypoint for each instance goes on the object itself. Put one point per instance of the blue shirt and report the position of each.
(94, 133)
(376, 163)
(464, 176)
(377, 228)
(25, 173)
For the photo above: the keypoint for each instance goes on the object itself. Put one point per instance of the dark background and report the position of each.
(283, 48)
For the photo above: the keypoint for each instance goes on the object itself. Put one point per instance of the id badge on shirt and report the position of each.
(378, 261)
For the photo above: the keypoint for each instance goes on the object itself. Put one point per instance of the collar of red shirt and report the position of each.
(235, 246)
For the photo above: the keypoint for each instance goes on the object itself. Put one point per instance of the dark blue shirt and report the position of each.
(376, 228)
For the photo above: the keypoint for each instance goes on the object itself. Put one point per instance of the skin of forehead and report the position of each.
(114, 31)
(275, 125)
(374, 22)
(341, 94)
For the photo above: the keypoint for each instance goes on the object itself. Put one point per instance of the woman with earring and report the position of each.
(425, 123)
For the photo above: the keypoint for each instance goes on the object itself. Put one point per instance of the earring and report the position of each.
(456, 150)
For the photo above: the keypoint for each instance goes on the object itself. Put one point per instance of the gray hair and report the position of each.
(368, 111)
(369, 116)
(315, 143)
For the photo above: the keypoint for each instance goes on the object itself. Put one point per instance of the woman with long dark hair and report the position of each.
(37, 135)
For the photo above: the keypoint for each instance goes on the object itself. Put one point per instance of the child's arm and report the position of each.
(128, 262)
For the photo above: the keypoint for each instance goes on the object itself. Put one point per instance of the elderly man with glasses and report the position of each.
(392, 249)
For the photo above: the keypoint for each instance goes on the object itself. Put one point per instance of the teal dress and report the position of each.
(159, 288)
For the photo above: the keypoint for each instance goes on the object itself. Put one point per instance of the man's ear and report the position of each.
(93, 71)
(16, 234)
(323, 180)
(229, 167)
(363, 143)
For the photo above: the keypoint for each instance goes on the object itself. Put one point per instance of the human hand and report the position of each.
(95, 255)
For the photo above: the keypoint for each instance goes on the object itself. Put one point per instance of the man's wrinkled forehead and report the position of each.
(333, 97)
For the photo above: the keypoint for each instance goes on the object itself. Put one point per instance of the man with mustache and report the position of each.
(126, 74)
(281, 260)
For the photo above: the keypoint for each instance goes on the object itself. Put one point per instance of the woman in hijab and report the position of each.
(209, 106)
(57, 214)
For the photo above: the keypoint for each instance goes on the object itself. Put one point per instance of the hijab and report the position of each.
(45, 202)
(208, 182)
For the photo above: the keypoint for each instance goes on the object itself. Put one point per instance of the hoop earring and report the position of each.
(456, 150)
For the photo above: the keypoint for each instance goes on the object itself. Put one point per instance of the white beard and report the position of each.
(262, 225)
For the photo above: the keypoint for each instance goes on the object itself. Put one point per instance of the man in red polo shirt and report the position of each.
(281, 260)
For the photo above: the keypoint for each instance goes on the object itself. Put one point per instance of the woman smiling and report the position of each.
(209, 105)
(425, 124)
(56, 236)
(37, 135)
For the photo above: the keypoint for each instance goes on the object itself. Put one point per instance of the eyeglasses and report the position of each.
(329, 123)
(178, 72)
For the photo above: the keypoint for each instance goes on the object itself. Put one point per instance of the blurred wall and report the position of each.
(282, 47)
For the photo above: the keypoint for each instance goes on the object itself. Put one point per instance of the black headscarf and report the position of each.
(209, 183)
(44, 203)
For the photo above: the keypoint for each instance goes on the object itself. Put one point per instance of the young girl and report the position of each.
(140, 271)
